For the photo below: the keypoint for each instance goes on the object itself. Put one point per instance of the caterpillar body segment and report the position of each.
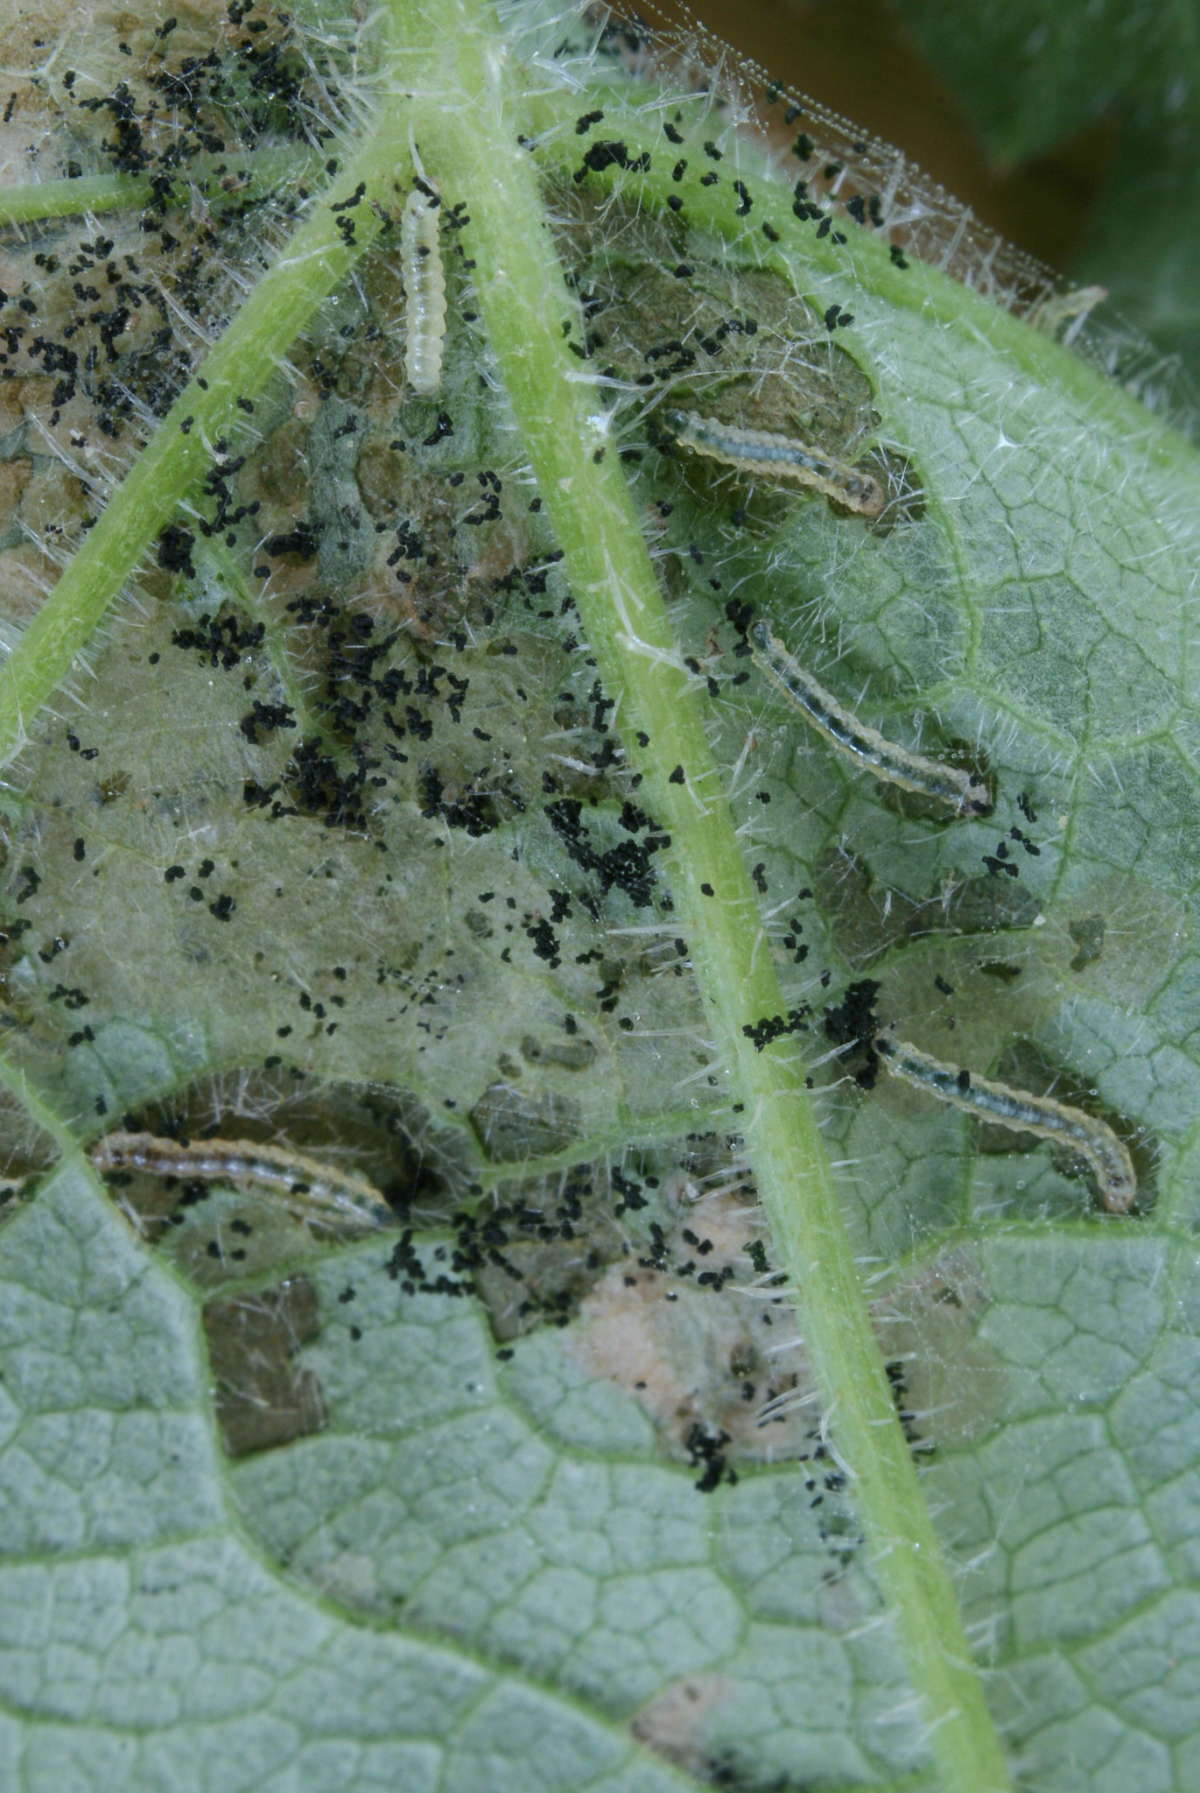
(314, 1189)
(765, 455)
(1091, 1139)
(864, 746)
(424, 291)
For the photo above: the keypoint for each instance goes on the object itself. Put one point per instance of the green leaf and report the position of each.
(395, 814)
(144, 1640)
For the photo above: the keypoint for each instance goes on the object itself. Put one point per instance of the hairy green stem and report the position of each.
(467, 127)
(219, 179)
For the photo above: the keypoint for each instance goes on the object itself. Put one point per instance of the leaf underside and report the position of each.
(330, 840)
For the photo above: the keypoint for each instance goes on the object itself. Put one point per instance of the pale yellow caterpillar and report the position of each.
(311, 1188)
(1093, 1140)
(1071, 308)
(866, 747)
(424, 291)
(768, 456)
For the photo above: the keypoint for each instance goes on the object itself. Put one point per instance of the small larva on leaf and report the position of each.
(866, 747)
(1091, 1139)
(768, 456)
(424, 291)
(314, 1189)
(1072, 309)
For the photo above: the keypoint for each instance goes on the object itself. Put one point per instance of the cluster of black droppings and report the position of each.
(606, 153)
(1001, 860)
(299, 544)
(127, 152)
(221, 639)
(265, 718)
(776, 1027)
(852, 1023)
(706, 1451)
(897, 1377)
(494, 1237)
(629, 1193)
(173, 550)
(628, 866)
(337, 792)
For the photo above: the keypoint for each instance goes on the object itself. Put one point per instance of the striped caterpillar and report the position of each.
(424, 291)
(885, 760)
(1090, 1139)
(313, 1189)
(768, 456)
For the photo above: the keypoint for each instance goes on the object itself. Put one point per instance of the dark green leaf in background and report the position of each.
(1032, 75)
